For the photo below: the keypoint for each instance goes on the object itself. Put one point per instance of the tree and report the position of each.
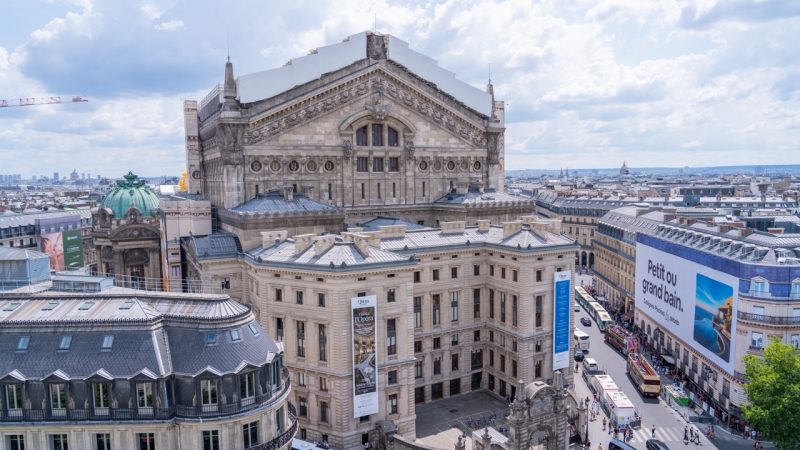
(773, 390)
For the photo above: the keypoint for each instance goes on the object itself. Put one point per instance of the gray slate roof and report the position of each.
(381, 221)
(216, 245)
(274, 202)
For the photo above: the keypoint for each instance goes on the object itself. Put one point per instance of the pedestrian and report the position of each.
(600, 446)
(747, 431)
(753, 434)
(604, 424)
(616, 432)
(653, 431)
(686, 434)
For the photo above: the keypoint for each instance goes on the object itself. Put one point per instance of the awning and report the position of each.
(669, 359)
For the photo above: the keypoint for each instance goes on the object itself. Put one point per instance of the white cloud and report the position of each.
(151, 11)
(81, 23)
(171, 25)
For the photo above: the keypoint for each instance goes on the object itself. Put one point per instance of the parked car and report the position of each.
(577, 307)
(579, 355)
(655, 444)
(585, 321)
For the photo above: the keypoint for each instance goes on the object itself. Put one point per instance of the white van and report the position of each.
(590, 365)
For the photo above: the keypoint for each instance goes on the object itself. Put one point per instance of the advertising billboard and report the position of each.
(53, 245)
(693, 302)
(562, 308)
(72, 242)
(365, 364)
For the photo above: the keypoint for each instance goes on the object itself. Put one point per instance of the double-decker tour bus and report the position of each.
(621, 339)
(644, 377)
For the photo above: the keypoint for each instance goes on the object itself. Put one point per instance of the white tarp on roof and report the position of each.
(262, 85)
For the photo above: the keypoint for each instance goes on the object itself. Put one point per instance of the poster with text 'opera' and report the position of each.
(562, 307)
(365, 364)
(693, 302)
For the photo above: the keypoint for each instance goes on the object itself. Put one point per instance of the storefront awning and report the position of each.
(669, 359)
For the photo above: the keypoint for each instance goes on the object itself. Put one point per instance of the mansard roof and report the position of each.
(269, 83)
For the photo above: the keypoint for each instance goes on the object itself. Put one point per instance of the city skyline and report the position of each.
(653, 85)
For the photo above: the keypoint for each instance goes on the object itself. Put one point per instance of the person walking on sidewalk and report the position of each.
(604, 424)
(653, 431)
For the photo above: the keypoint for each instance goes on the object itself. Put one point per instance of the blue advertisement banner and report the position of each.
(562, 330)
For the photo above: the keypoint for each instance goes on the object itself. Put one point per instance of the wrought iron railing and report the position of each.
(283, 438)
(772, 320)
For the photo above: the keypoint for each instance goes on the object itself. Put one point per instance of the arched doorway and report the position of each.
(591, 260)
(583, 259)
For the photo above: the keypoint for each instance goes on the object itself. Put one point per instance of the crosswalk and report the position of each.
(671, 434)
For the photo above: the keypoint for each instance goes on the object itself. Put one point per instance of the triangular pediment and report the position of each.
(372, 87)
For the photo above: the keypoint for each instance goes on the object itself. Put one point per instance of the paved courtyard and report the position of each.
(440, 423)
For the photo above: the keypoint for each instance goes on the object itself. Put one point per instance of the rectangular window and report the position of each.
(323, 384)
(391, 377)
(377, 135)
(65, 343)
(437, 343)
(247, 387)
(423, 189)
(100, 391)
(58, 398)
(211, 440)
(435, 274)
(418, 369)
(362, 164)
(437, 365)
(417, 346)
(301, 339)
(454, 272)
(436, 309)
(538, 310)
(454, 306)
(514, 275)
(757, 340)
(23, 342)
(417, 312)
(299, 297)
(323, 412)
(279, 329)
(302, 407)
(59, 441)
(208, 393)
(476, 270)
(503, 307)
(394, 164)
(476, 335)
(502, 363)
(514, 368)
(391, 337)
(377, 164)
(537, 369)
(278, 295)
(491, 270)
(361, 136)
(491, 358)
(514, 310)
(144, 395)
(454, 362)
(363, 191)
(330, 191)
(14, 397)
(102, 441)
(390, 295)
(538, 275)
(392, 405)
(393, 136)
(379, 190)
(321, 299)
(503, 273)
(147, 441)
(454, 340)
(108, 342)
(476, 303)
(491, 303)
(417, 277)
(250, 434)
(323, 342)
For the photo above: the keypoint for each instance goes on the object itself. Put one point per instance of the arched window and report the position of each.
(377, 135)
(361, 136)
(393, 140)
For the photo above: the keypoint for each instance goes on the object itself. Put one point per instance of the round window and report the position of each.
(294, 166)
(275, 165)
(328, 166)
(196, 174)
(451, 165)
(255, 166)
(423, 165)
(476, 165)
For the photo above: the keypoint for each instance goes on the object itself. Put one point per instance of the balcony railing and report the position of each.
(283, 438)
(771, 320)
(135, 414)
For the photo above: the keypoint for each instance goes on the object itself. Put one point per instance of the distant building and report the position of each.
(624, 169)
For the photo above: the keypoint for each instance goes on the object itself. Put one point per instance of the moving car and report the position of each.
(585, 321)
(577, 307)
(579, 355)
(655, 444)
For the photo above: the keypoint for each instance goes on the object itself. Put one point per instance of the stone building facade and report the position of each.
(460, 308)
(367, 126)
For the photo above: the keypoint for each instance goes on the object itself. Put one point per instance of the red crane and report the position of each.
(31, 101)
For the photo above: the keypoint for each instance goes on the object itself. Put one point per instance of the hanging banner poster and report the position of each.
(365, 372)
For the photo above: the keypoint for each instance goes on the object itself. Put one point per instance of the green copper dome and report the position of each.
(131, 192)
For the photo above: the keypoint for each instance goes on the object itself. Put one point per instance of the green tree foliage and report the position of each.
(773, 389)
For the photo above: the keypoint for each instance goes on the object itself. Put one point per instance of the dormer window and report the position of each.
(795, 292)
(759, 286)
(108, 342)
(23, 342)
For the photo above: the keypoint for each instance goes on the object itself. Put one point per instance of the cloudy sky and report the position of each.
(588, 83)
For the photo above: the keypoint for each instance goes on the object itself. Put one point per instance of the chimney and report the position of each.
(392, 231)
(483, 226)
(270, 238)
(302, 242)
(456, 227)
(462, 188)
(288, 193)
(510, 228)
(323, 243)
(362, 244)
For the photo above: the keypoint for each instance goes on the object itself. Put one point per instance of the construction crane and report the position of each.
(31, 101)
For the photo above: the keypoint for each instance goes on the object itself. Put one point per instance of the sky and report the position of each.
(587, 83)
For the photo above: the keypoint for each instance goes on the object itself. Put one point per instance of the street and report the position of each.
(669, 424)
